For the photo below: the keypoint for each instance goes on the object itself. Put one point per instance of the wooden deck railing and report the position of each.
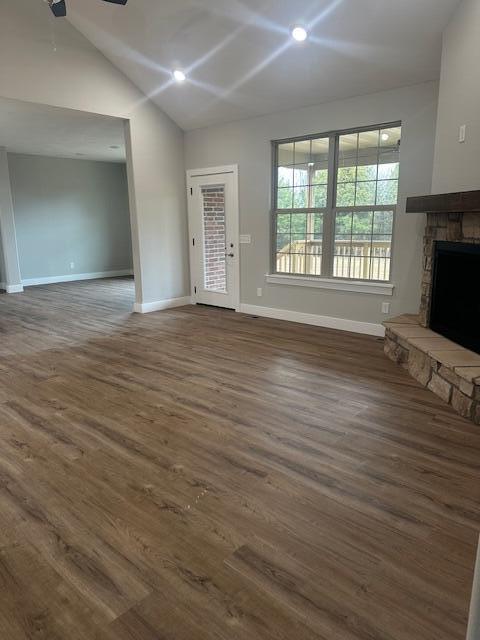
(361, 259)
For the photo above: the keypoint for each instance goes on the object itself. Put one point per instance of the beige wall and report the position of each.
(456, 166)
(248, 143)
(51, 63)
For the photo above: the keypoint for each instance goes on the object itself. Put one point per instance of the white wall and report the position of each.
(248, 143)
(73, 74)
(456, 166)
(70, 211)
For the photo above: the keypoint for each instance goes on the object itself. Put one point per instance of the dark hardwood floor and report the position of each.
(198, 474)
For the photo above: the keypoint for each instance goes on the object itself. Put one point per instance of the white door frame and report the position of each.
(231, 169)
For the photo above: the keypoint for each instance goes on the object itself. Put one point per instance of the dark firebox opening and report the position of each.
(455, 306)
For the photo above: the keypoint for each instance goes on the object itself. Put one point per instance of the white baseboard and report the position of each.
(14, 288)
(159, 305)
(342, 324)
(74, 277)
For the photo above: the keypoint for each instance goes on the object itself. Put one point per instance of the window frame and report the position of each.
(330, 210)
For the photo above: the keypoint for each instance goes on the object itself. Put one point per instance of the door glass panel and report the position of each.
(214, 238)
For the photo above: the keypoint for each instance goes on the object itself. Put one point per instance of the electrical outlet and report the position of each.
(259, 292)
(386, 308)
(72, 265)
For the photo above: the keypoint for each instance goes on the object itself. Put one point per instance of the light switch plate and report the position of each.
(246, 239)
(462, 134)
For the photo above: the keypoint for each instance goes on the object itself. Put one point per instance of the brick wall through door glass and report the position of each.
(214, 238)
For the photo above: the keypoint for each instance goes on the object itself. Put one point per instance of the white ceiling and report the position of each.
(40, 130)
(241, 61)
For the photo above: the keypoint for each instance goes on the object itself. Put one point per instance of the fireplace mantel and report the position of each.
(462, 202)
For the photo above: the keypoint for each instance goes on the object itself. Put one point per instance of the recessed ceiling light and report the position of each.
(299, 34)
(179, 75)
(385, 137)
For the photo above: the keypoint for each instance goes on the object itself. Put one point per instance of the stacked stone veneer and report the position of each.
(214, 238)
(451, 372)
(453, 227)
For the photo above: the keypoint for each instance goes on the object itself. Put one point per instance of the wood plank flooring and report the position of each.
(198, 474)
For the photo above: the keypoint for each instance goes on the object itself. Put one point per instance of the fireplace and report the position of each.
(455, 300)
(440, 347)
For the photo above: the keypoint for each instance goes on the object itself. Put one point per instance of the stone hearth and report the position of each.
(444, 367)
(450, 371)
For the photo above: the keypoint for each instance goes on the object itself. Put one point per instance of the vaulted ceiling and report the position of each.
(242, 62)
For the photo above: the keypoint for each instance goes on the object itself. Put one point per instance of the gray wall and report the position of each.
(70, 211)
(74, 75)
(248, 143)
(2, 265)
(456, 166)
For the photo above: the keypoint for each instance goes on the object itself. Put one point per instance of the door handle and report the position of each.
(230, 255)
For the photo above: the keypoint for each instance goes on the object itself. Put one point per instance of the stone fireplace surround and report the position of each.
(450, 371)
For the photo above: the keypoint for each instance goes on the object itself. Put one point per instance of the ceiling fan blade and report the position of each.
(59, 8)
(117, 1)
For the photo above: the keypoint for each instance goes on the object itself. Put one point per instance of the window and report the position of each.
(334, 203)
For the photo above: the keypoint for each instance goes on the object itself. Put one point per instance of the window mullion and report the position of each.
(329, 216)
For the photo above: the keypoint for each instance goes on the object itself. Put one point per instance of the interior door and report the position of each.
(213, 225)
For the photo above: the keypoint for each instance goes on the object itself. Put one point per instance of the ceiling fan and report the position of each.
(59, 7)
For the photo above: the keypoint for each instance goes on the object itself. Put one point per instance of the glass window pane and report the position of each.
(298, 246)
(283, 262)
(300, 197)
(388, 171)
(383, 222)
(346, 194)
(387, 192)
(301, 175)
(362, 224)
(347, 159)
(365, 193)
(380, 268)
(283, 242)
(303, 152)
(286, 153)
(319, 173)
(390, 138)
(320, 149)
(319, 196)
(343, 224)
(347, 174)
(285, 176)
(368, 148)
(299, 223)
(367, 172)
(284, 223)
(316, 222)
(214, 239)
(285, 198)
(313, 245)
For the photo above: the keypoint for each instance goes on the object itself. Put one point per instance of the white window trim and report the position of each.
(334, 284)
